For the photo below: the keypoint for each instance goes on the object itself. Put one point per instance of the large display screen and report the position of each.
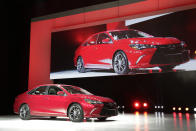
(152, 44)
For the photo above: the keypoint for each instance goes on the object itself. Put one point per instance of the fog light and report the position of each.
(186, 109)
(174, 108)
(179, 108)
(195, 109)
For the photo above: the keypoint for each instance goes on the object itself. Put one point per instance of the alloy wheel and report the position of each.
(76, 113)
(80, 65)
(24, 112)
(120, 63)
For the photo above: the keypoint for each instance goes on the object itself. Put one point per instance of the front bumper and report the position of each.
(107, 109)
(170, 56)
(161, 55)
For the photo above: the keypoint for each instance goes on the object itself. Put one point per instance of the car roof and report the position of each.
(53, 85)
(107, 31)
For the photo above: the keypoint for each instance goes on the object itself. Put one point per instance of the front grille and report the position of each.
(109, 105)
(107, 112)
(169, 54)
(109, 109)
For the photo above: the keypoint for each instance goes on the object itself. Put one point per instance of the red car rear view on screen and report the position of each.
(123, 50)
(63, 100)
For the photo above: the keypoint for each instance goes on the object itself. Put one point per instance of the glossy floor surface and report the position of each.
(124, 122)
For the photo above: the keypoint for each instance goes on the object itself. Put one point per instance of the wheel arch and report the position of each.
(71, 105)
(116, 53)
(21, 106)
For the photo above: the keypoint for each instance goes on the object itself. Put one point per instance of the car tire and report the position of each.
(80, 65)
(166, 68)
(120, 63)
(75, 113)
(24, 112)
(53, 117)
(102, 118)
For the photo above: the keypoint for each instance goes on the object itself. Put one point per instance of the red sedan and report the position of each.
(123, 50)
(63, 100)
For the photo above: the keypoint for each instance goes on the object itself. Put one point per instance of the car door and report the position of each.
(89, 51)
(38, 101)
(104, 51)
(56, 103)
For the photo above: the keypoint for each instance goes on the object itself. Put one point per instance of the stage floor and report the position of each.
(189, 66)
(157, 121)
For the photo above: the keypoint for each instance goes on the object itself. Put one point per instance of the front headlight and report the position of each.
(92, 101)
(141, 46)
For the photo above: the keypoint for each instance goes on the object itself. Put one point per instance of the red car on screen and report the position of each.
(63, 100)
(127, 49)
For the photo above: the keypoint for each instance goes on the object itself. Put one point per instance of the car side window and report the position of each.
(92, 40)
(39, 91)
(104, 39)
(53, 90)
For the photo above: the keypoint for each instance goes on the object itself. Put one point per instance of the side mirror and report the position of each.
(106, 41)
(60, 93)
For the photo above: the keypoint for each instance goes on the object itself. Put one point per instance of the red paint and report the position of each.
(116, 25)
(56, 105)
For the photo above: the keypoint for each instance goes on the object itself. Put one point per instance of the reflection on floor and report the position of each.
(191, 65)
(123, 122)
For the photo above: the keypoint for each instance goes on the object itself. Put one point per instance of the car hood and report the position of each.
(93, 97)
(151, 40)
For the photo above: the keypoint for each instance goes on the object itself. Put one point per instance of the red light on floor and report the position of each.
(145, 105)
(137, 105)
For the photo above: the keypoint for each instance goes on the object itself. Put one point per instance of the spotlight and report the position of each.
(137, 105)
(174, 108)
(186, 109)
(162, 107)
(195, 109)
(179, 108)
(158, 107)
(155, 107)
(145, 105)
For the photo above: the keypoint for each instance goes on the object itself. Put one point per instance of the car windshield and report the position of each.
(126, 34)
(76, 90)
